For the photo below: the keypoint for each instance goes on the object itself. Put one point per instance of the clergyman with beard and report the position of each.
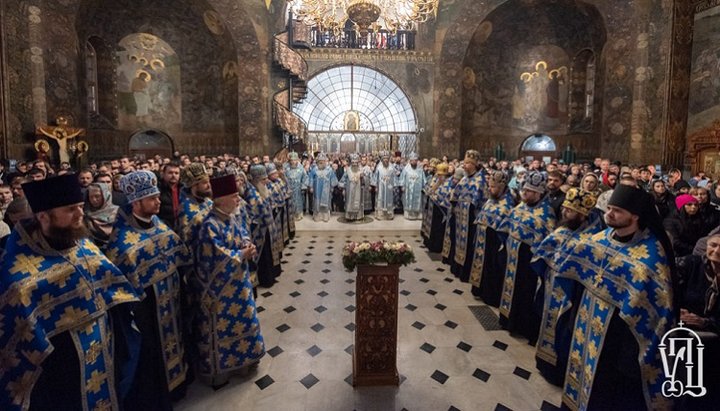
(527, 225)
(59, 295)
(263, 230)
(195, 203)
(152, 256)
(626, 307)
(223, 280)
(411, 182)
(488, 268)
(577, 221)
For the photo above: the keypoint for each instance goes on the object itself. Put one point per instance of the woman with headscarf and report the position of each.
(100, 212)
(699, 300)
(591, 184)
(686, 226)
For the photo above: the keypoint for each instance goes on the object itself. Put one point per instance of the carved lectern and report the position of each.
(376, 319)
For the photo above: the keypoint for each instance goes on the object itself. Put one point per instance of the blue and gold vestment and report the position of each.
(525, 225)
(428, 192)
(632, 279)
(151, 259)
(228, 326)
(551, 252)
(263, 230)
(45, 292)
(191, 215)
(492, 214)
(442, 200)
(468, 197)
(277, 196)
(297, 179)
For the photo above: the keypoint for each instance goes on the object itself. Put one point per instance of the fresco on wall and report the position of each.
(531, 96)
(148, 84)
(704, 104)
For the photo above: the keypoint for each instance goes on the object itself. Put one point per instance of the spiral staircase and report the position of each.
(296, 68)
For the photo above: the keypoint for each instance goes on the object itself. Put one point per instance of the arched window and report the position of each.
(359, 101)
(100, 83)
(583, 91)
(91, 78)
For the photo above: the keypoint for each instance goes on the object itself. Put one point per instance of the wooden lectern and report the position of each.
(376, 318)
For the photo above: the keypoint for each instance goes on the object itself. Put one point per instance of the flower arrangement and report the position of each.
(377, 252)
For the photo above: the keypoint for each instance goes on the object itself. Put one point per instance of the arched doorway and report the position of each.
(538, 147)
(361, 103)
(148, 143)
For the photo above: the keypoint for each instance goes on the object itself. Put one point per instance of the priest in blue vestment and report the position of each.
(487, 274)
(227, 324)
(152, 257)
(626, 307)
(322, 181)
(578, 223)
(412, 181)
(384, 181)
(527, 225)
(467, 198)
(66, 341)
(298, 181)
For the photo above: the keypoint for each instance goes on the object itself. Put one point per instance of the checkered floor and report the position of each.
(448, 359)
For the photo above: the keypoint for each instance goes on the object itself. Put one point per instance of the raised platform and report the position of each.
(398, 224)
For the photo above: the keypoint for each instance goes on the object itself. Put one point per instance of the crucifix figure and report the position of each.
(62, 133)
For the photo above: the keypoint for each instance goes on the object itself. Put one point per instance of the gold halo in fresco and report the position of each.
(147, 79)
(483, 32)
(42, 146)
(157, 65)
(82, 146)
(213, 22)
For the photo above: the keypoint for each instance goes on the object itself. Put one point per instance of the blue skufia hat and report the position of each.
(44, 195)
(138, 185)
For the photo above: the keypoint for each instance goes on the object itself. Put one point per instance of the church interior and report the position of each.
(633, 81)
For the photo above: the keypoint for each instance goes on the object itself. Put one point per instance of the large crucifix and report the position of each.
(62, 133)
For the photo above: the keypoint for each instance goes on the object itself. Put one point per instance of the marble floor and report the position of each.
(446, 358)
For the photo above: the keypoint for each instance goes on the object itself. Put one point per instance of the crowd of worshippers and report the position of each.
(592, 266)
(125, 281)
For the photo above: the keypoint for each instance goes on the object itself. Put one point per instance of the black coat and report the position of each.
(665, 204)
(684, 231)
(167, 214)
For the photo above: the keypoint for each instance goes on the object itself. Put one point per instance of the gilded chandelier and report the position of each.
(391, 15)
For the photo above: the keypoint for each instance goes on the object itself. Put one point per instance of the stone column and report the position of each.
(675, 125)
(4, 127)
(37, 65)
